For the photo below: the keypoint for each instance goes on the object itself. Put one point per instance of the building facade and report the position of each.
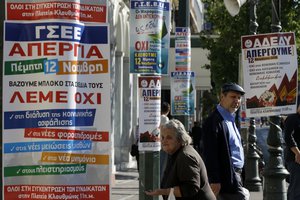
(124, 88)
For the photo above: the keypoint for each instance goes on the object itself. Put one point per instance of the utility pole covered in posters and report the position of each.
(149, 46)
(149, 133)
(183, 79)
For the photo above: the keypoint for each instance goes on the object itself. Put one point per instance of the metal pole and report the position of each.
(183, 20)
(149, 174)
(149, 171)
(276, 16)
(275, 172)
(183, 14)
(252, 179)
(253, 17)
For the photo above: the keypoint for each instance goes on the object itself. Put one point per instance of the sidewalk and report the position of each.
(126, 186)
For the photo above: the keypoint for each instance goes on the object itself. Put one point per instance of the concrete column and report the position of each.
(118, 109)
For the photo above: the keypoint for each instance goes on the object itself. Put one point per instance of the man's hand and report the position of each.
(216, 187)
(297, 158)
(296, 151)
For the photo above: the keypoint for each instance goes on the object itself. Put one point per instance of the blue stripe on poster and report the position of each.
(56, 31)
(22, 147)
(49, 118)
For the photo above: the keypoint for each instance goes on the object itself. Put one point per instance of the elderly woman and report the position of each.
(185, 171)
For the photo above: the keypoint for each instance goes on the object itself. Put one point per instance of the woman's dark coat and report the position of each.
(186, 169)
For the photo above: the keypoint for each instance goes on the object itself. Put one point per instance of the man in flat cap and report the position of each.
(222, 146)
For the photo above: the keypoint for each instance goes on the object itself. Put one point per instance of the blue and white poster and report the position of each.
(56, 110)
(149, 36)
(182, 93)
(183, 52)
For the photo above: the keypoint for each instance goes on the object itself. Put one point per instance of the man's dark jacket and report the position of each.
(292, 135)
(217, 154)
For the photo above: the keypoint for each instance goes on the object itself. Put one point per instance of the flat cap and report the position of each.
(232, 87)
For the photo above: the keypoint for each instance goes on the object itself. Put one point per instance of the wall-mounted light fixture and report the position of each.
(233, 6)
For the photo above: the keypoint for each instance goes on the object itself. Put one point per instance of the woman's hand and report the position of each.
(157, 192)
(215, 187)
(152, 193)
